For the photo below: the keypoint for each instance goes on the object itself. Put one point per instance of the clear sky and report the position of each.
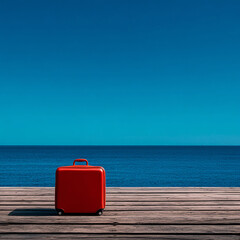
(120, 72)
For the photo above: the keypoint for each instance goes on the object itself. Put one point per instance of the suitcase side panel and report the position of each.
(104, 188)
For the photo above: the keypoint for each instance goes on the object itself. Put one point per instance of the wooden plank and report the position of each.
(172, 213)
(130, 213)
(50, 193)
(43, 193)
(120, 229)
(192, 218)
(120, 237)
(142, 208)
(169, 189)
(132, 203)
(130, 197)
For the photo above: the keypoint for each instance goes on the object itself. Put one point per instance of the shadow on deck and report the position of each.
(43, 212)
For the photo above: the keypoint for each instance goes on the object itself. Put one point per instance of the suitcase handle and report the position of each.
(80, 160)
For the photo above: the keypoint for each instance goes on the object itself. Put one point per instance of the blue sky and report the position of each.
(120, 72)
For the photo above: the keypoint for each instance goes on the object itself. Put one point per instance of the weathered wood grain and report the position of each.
(139, 198)
(120, 229)
(132, 203)
(139, 208)
(126, 207)
(121, 236)
(131, 213)
(191, 218)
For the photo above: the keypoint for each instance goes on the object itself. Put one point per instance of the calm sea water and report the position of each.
(125, 165)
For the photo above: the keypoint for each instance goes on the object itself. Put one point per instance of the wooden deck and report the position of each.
(131, 213)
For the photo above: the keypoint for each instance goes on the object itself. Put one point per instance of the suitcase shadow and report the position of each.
(33, 212)
(43, 212)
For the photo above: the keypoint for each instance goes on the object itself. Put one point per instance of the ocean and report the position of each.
(126, 166)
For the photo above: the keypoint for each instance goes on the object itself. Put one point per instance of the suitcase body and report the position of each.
(80, 189)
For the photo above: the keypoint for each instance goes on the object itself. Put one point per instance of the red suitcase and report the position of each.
(80, 189)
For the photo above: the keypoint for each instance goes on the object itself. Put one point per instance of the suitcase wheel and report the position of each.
(99, 212)
(60, 212)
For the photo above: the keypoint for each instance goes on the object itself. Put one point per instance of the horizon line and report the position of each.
(121, 145)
